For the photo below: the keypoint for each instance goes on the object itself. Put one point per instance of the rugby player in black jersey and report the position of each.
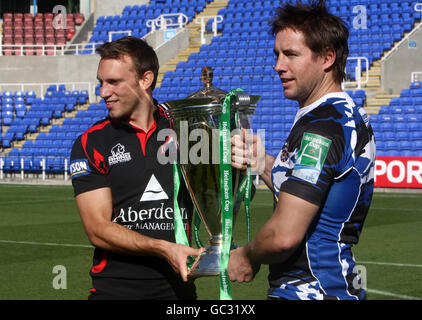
(123, 194)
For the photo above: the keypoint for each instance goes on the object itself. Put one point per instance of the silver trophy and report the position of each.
(202, 110)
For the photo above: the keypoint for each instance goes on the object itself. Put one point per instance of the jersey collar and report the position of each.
(156, 115)
(303, 111)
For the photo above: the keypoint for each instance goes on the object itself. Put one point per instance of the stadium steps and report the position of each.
(33, 136)
(194, 38)
(376, 98)
(382, 98)
(4, 129)
(374, 77)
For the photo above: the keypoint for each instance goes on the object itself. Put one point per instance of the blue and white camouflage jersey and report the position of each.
(328, 159)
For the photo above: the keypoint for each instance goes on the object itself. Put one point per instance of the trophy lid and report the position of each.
(209, 91)
(209, 100)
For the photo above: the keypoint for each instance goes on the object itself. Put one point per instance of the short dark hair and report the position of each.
(143, 55)
(320, 28)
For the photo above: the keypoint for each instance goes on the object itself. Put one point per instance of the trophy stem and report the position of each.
(215, 240)
(208, 263)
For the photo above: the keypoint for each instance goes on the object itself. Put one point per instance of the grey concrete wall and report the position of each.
(69, 68)
(49, 69)
(167, 50)
(397, 68)
(113, 7)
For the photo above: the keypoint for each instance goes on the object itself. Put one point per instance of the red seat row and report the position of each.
(43, 28)
(77, 18)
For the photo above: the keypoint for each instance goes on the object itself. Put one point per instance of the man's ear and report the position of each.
(146, 80)
(329, 58)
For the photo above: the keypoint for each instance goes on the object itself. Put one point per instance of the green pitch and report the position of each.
(45, 253)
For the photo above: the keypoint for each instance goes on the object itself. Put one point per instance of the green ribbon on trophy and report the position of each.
(226, 196)
(245, 193)
(179, 230)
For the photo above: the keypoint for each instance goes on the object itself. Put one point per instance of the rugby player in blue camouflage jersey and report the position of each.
(323, 177)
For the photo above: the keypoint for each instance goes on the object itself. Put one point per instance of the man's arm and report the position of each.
(277, 239)
(95, 208)
(266, 174)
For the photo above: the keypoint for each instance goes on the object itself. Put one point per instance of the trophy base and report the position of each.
(207, 264)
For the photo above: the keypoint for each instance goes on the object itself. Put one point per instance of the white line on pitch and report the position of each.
(395, 209)
(24, 201)
(391, 264)
(47, 244)
(389, 195)
(395, 295)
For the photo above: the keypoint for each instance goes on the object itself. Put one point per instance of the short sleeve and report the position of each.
(85, 175)
(318, 154)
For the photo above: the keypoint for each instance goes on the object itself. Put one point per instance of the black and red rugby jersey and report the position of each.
(114, 154)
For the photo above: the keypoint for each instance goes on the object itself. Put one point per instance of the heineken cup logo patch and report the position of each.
(311, 157)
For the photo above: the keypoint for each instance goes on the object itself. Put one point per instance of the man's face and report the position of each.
(300, 71)
(120, 87)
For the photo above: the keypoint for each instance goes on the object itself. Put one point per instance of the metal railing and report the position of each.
(358, 73)
(203, 21)
(47, 49)
(111, 33)
(12, 166)
(167, 21)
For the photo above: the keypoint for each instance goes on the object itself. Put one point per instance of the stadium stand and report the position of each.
(249, 68)
(242, 57)
(25, 34)
(37, 128)
(134, 19)
(398, 126)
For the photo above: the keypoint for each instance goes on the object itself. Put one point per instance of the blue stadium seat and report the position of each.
(389, 136)
(417, 145)
(405, 145)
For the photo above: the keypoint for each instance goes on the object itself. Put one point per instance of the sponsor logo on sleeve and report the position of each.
(79, 167)
(311, 157)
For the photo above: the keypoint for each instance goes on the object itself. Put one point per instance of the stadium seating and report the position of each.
(41, 29)
(23, 113)
(242, 57)
(398, 126)
(134, 19)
